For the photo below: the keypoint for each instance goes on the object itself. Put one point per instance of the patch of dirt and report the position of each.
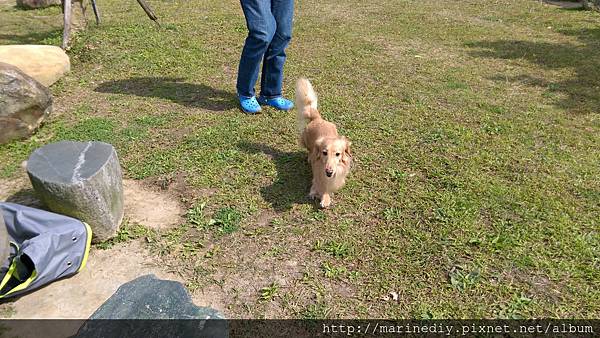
(231, 271)
(10, 187)
(27, 197)
(80, 295)
(298, 278)
(176, 185)
(535, 284)
(143, 205)
(264, 218)
(18, 190)
(239, 277)
(150, 208)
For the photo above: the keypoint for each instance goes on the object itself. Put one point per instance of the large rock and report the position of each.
(46, 64)
(81, 180)
(31, 4)
(591, 4)
(24, 103)
(166, 303)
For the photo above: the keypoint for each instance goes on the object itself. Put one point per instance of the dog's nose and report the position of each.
(328, 172)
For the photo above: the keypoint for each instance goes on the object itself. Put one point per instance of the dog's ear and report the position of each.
(347, 152)
(317, 148)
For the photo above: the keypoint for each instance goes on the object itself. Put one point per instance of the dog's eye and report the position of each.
(337, 154)
(325, 152)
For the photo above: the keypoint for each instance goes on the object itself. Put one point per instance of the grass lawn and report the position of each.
(475, 128)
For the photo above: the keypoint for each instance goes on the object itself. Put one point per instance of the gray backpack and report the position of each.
(44, 247)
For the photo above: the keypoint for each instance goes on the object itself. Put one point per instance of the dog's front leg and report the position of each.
(325, 200)
(313, 191)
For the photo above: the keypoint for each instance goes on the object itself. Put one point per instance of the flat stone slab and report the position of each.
(78, 297)
(46, 64)
(150, 298)
(82, 180)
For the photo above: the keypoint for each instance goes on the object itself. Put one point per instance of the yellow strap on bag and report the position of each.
(10, 274)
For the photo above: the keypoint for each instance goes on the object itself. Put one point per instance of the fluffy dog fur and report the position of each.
(328, 153)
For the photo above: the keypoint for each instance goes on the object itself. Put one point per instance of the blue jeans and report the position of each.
(269, 25)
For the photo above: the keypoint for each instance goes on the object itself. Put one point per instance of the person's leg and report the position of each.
(261, 28)
(274, 59)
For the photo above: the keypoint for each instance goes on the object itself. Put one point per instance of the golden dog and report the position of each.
(328, 153)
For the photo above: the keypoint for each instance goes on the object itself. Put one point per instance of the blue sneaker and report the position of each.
(249, 104)
(277, 103)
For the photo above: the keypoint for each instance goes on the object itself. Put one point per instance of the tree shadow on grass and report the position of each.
(32, 38)
(293, 176)
(580, 91)
(172, 89)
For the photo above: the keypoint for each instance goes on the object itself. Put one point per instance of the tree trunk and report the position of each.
(66, 23)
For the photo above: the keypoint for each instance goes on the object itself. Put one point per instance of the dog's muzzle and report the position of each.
(329, 173)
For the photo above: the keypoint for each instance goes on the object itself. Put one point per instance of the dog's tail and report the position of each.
(306, 102)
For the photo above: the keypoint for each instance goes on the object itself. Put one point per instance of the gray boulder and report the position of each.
(31, 4)
(82, 180)
(24, 103)
(591, 4)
